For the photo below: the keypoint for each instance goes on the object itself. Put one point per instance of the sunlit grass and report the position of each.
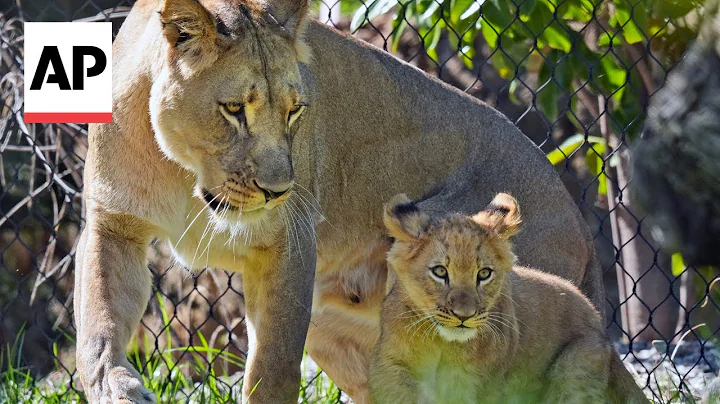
(175, 374)
(180, 374)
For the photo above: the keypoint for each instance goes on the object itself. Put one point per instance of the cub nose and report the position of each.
(464, 314)
(273, 191)
(462, 304)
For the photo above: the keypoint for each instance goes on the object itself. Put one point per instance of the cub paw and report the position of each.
(127, 388)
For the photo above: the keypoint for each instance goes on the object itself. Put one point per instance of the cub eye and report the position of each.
(234, 108)
(295, 113)
(439, 272)
(484, 274)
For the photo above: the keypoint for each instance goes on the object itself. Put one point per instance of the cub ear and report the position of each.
(191, 31)
(502, 216)
(403, 219)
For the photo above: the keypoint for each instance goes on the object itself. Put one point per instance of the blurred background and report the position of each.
(575, 76)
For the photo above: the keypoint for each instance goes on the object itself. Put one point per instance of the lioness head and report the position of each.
(228, 98)
(452, 270)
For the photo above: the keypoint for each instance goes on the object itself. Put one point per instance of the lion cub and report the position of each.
(462, 324)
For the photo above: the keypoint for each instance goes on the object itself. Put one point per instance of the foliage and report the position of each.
(554, 39)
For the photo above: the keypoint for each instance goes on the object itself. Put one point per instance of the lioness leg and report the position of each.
(580, 373)
(278, 300)
(341, 354)
(112, 289)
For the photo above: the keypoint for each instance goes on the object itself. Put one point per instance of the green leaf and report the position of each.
(369, 12)
(624, 17)
(541, 18)
(466, 54)
(578, 10)
(613, 78)
(348, 7)
(432, 40)
(678, 264)
(498, 15)
(512, 92)
(563, 71)
(570, 145)
(602, 183)
(504, 66)
(640, 16)
(606, 38)
(594, 162)
(526, 8)
(400, 23)
(557, 38)
(430, 10)
(490, 33)
(458, 9)
(548, 92)
(471, 10)
(674, 8)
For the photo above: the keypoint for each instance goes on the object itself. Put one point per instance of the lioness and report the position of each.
(462, 324)
(233, 138)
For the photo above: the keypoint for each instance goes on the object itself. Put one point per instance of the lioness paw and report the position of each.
(126, 388)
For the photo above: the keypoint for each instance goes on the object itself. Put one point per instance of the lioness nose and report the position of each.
(273, 191)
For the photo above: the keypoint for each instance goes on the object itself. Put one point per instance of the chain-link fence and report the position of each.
(575, 75)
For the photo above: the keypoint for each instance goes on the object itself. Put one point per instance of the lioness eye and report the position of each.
(234, 108)
(484, 274)
(294, 113)
(439, 272)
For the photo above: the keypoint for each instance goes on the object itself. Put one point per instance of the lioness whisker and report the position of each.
(193, 221)
(294, 232)
(308, 215)
(202, 237)
(319, 212)
(286, 219)
(304, 221)
(313, 205)
(216, 229)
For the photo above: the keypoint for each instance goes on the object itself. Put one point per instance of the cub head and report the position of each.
(451, 270)
(228, 98)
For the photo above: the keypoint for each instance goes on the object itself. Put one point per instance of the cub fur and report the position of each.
(461, 323)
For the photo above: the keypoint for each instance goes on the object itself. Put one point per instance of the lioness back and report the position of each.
(487, 330)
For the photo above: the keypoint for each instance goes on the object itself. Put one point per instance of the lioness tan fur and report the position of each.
(462, 324)
(257, 142)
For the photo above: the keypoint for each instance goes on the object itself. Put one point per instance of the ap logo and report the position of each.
(68, 72)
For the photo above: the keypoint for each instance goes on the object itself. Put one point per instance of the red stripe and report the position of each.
(67, 117)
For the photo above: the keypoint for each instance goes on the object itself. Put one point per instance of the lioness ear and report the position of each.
(502, 216)
(291, 15)
(191, 32)
(403, 219)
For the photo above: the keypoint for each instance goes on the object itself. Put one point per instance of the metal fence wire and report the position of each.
(575, 75)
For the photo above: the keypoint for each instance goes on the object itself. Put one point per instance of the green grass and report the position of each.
(190, 380)
(168, 381)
